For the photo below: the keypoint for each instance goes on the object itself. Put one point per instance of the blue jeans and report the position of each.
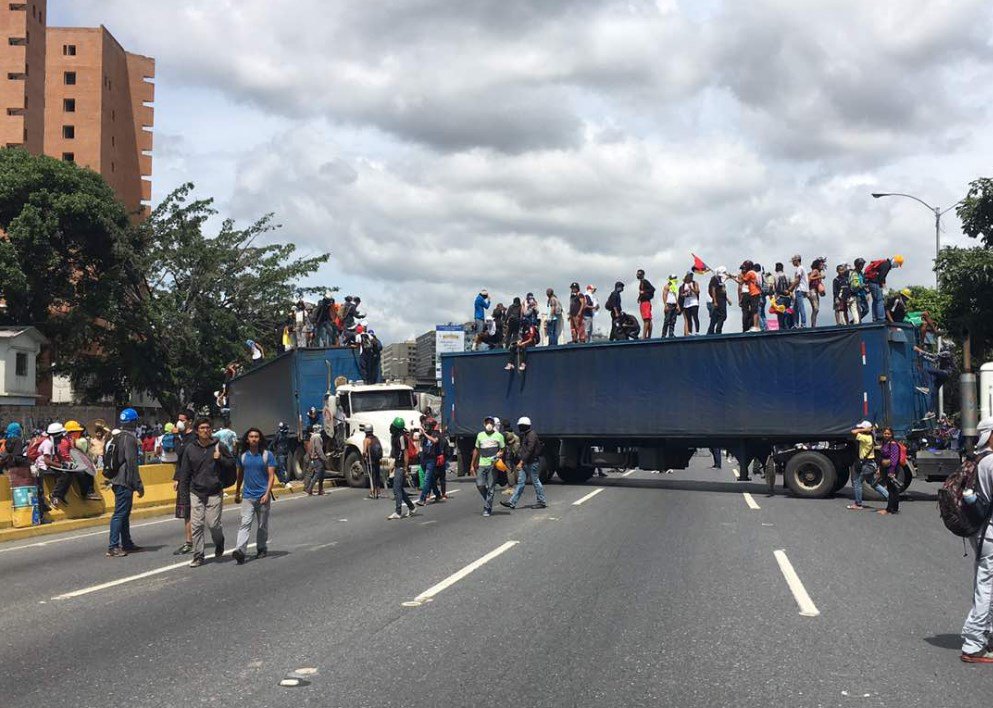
(486, 486)
(862, 305)
(325, 334)
(878, 307)
(762, 314)
(530, 470)
(799, 311)
(282, 474)
(552, 330)
(400, 496)
(427, 479)
(120, 522)
(866, 470)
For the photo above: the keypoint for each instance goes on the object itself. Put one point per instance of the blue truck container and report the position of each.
(787, 399)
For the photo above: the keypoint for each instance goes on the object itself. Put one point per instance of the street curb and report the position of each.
(16, 534)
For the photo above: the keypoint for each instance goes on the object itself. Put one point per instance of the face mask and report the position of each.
(489, 427)
(181, 426)
(522, 429)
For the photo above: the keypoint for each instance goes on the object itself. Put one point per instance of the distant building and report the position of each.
(424, 372)
(19, 349)
(75, 94)
(398, 361)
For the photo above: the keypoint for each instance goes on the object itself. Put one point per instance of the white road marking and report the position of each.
(627, 473)
(587, 497)
(129, 579)
(752, 504)
(807, 607)
(428, 594)
(734, 471)
(323, 545)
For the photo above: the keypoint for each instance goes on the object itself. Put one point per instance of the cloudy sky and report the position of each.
(435, 147)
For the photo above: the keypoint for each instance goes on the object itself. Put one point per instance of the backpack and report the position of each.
(856, 281)
(169, 442)
(34, 449)
(872, 270)
(903, 454)
(954, 511)
(411, 446)
(228, 474)
(113, 457)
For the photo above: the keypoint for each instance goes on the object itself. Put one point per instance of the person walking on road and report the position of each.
(372, 457)
(205, 465)
(253, 490)
(184, 429)
(527, 465)
(977, 632)
(489, 448)
(316, 458)
(125, 479)
(890, 465)
(401, 463)
(865, 468)
(429, 457)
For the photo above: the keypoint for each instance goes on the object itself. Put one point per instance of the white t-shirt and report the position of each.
(47, 447)
(801, 273)
(166, 456)
(594, 305)
(690, 298)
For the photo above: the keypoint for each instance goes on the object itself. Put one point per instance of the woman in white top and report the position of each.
(689, 297)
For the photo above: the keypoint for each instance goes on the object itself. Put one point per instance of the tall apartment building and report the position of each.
(398, 361)
(87, 101)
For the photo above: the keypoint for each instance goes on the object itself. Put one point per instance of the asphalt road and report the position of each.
(655, 590)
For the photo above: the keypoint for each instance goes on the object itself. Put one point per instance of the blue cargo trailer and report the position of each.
(788, 399)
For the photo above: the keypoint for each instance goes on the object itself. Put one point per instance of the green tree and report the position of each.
(976, 211)
(966, 278)
(66, 245)
(928, 299)
(201, 298)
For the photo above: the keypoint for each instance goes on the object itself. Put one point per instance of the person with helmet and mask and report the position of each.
(489, 447)
(316, 459)
(398, 453)
(977, 632)
(125, 479)
(75, 435)
(313, 417)
(281, 449)
(528, 457)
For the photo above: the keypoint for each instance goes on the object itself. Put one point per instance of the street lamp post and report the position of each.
(938, 213)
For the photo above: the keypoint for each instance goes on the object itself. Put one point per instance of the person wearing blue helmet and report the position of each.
(121, 468)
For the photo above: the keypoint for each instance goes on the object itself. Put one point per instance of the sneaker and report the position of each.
(239, 557)
(219, 549)
(183, 550)
(508, 491)
(55, 503)
(420, 503)
(262, 553)
(116, 552)
(923, 389)
(507, 504)
(508, 367)
(486, 513)
(394, 515)
(980, 657)
(412, 510)
(522, 367)
(196, 562)
(541, 505)
(287, 485)
(755, 329)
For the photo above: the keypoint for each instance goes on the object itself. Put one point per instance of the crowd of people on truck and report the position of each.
(857, 292)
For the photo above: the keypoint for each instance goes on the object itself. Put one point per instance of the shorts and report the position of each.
(646, 310)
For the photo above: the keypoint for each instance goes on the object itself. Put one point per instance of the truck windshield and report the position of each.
(372, 401)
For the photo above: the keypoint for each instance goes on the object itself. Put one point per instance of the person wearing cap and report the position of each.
(54, 457)
(859, 304)
(553, 318)
(977, 631)
(430, 450)
(841, 294)
(800, 287)
(718, 304)
(489, 447)
(528, 457)
(615, 310)
(896, 306)
(866, 465)
(875, 276)
(479, 308)
(577, 307)
(670, 306)
(646, 293)
(125, 479)
(75, 434)
(750, 294)
(401, 465)
(592, 307)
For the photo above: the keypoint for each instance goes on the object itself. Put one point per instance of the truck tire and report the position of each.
(842, 480)
(574, 475)
(545, 469)
(354, 471)
(872, 495)
(297, 463)
(811, 475)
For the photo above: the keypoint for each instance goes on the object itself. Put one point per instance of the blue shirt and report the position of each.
(228, 438)
(256, 473)
(482, 305)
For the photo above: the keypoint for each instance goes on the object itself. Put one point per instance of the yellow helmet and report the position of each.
(73, 426)
(898, 261)
(501, 465)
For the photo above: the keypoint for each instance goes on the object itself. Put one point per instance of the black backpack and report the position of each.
(375, 450)
(962, 519)
(113, 456)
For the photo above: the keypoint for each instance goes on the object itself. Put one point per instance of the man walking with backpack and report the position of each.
(125, 480)
(205, 469)
(977, 631)
(257, 472)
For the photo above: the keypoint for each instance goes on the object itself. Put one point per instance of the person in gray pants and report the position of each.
(205, 463)
(257, 472)
(977, 632)
(490, 447)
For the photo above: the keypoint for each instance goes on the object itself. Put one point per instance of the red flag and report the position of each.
(699, 267)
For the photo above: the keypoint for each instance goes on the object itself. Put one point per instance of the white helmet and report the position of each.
(985, 430)
(55, 429)
(524, 420)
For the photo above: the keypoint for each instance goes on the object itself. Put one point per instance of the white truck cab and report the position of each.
(361, 406)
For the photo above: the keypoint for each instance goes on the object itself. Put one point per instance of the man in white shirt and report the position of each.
(592, 307)
(800, 288)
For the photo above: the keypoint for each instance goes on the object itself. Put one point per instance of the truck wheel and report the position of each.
(297, 463)
(545, 469)
(905, 478)
(810, 475)
(841, 481)
(574, 475)
(354, 471)
(872, 495)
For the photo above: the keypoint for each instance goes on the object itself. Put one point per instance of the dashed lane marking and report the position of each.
(807, 606)
(429, 594)
(627, 473)
(587, 497)
(750, 500)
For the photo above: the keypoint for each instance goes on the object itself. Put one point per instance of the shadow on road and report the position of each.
(945, 641)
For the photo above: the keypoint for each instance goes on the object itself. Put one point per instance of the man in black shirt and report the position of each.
(577, 309)
(896, 306)
(646, 293)
(718, 304)
(614, 308)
